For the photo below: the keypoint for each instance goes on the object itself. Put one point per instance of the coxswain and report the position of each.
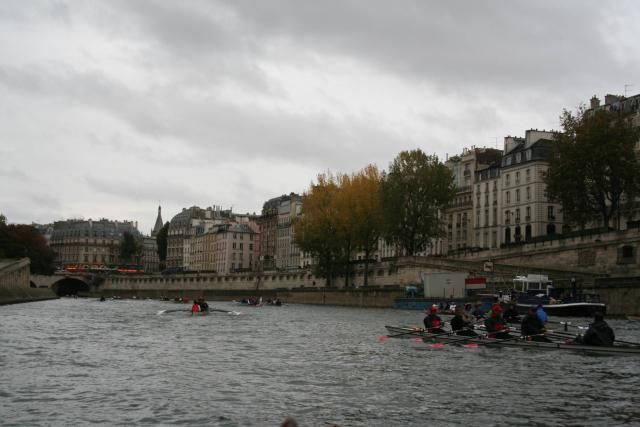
(599, 333)
(462, 323)
(496, 326)
(195, 308)
(532, 328)
(511, 314)
(432, 322)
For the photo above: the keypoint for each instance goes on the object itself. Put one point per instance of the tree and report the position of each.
(593, 168)
(415, 190)
(367, 215)
(161, 241)
(130, 248)
(20, 240)
(317, 232)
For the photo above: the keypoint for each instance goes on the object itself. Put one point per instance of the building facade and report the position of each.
(80, 243)
(288, 254)
(527, 211)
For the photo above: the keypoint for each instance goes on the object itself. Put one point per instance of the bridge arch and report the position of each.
(70, 286)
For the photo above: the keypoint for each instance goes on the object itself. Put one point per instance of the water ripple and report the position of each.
(80, 362)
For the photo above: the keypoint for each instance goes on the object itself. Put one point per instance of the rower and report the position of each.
(462, 323)
(542, 315)
(511, 314)
(432, 322)
(478, 312)
(532, 327)
(599, 333)
(195, 308)
(203, 305)
(496, 326)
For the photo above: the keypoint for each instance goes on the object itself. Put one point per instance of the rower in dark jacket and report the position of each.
(532, 327)
(599, 333)
(462, 323)
(496, 326)
(432, 322)
(511, 314)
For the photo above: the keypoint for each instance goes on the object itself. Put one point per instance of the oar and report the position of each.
(498, 341)
(415, 331)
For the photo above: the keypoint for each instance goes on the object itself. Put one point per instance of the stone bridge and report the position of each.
(66, 284)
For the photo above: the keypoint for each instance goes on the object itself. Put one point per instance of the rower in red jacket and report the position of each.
(195, 308)
(496, 325)
(432, 322)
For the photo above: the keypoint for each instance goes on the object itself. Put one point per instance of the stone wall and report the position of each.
(14, 272)
(622, 295)
(15, 286)
(602, 254)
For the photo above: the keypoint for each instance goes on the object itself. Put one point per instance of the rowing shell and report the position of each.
(408, 332)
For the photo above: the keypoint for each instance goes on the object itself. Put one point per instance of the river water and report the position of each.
(80, 361)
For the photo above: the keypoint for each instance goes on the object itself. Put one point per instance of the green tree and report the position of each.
(415, 190)
(20, 240)
(593, 167)
(130, 248)
(161, 241)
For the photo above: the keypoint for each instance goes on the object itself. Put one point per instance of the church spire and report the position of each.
(159, 223)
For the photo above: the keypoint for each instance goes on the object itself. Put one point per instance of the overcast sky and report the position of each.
(108, 108)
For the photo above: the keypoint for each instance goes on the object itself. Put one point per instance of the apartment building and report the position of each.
(527, 212)
(79, 243)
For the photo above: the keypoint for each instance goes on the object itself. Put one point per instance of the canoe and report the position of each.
(409, 332)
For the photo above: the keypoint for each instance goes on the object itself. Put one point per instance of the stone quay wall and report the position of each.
(15, 284)
(622, 295)
(613, 253)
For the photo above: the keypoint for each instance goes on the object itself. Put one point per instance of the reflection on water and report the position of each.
(76, 361)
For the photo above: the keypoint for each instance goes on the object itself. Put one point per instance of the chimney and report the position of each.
(595, 102)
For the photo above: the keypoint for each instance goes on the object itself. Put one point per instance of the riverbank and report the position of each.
(17, 295)
(351, 297)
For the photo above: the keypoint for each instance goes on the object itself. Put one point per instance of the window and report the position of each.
(518, 215)
(517, 178)
(486, 217)
(528, 193)
(478, 219)
(528, 217)
(550, 214)
(486, 187)
(528, 172)
(495, 216)
(234, 245)
(241, 246)
(250, 246)
(506, 180)
(518, 157)
(518, 195)
(486, 199)
(506, 217)
(508, 197)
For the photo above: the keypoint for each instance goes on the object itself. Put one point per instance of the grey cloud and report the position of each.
(143, 191)
(453, 44)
